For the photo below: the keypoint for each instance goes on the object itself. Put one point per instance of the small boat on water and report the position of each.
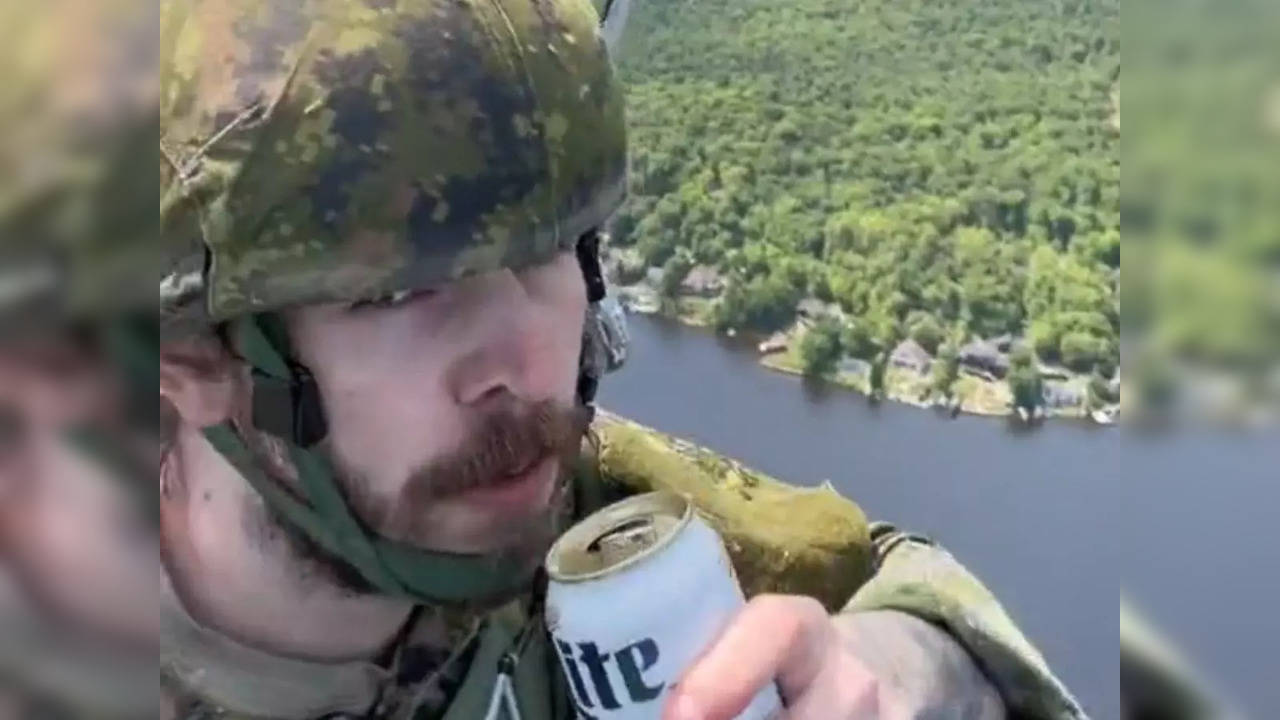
(776, 343)
(1103, 416)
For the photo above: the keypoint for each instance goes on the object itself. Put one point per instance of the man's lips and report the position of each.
(527, 488)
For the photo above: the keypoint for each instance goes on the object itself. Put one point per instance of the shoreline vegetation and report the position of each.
(973, 392)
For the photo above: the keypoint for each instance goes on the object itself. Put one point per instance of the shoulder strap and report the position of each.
(515, 650)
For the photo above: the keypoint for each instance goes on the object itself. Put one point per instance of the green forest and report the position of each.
(942, 169)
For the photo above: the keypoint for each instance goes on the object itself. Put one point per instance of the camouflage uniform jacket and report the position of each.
(781, 538)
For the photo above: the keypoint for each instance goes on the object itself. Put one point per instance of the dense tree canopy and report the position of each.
(820, 349)
(1025, 383)
(926, 164)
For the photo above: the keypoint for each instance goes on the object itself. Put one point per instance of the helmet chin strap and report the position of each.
(588, 251)
(131, 344)
(287, 405)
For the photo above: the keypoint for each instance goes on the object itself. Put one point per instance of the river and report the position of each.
(1050, 518)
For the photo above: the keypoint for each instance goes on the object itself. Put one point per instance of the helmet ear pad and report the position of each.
(604, 332)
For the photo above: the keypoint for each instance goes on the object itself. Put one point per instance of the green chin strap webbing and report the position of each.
(286, 404)
(131, 346)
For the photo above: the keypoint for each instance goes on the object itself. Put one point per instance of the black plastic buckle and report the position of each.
(309, 424)
(287, 409)
(588, 251)
(587, 386)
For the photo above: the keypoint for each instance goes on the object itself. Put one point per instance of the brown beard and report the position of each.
(505, 442)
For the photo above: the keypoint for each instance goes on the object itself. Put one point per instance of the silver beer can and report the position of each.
(637, 592)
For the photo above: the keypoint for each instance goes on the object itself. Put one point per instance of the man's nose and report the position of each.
(503, 354)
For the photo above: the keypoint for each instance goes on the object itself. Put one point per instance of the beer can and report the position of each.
(637, 592)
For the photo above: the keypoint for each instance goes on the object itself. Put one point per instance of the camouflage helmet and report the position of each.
(77, 221)
(335, 150)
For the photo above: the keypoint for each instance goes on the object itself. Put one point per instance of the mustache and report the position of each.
(505, 443)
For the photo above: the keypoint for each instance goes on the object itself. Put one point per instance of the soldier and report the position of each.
(79, 621)
(383, 327)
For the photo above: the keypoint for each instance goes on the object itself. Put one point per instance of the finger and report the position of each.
(844, 689)
(782, 637)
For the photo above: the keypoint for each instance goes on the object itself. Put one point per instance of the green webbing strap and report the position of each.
(340, 541)
(520, 645)
(392, 568)
(263, 352)
(286, 401)
(133, 345)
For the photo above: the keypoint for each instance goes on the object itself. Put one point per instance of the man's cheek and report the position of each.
(568, 353)
(383, 449)
(569, 366)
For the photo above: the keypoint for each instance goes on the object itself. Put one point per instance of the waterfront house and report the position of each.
(1060, 395)
(1003, 343)
(638, 299)
(910, 355)
(1053, 372)
(984, 357)
(703, 280)
(853, 366)
(814, 309)
(623, 266)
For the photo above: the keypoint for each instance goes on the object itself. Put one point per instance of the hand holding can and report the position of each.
(638, 590)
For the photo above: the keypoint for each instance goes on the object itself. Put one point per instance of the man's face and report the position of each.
(71, 531)
(447, 413)
(450, 411)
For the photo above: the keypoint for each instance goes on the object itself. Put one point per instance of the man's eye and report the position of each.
(387, 301)
(373, 303)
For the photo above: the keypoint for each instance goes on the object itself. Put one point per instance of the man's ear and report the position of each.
(203, 381)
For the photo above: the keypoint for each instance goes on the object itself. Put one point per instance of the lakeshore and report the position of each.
(974, 392)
